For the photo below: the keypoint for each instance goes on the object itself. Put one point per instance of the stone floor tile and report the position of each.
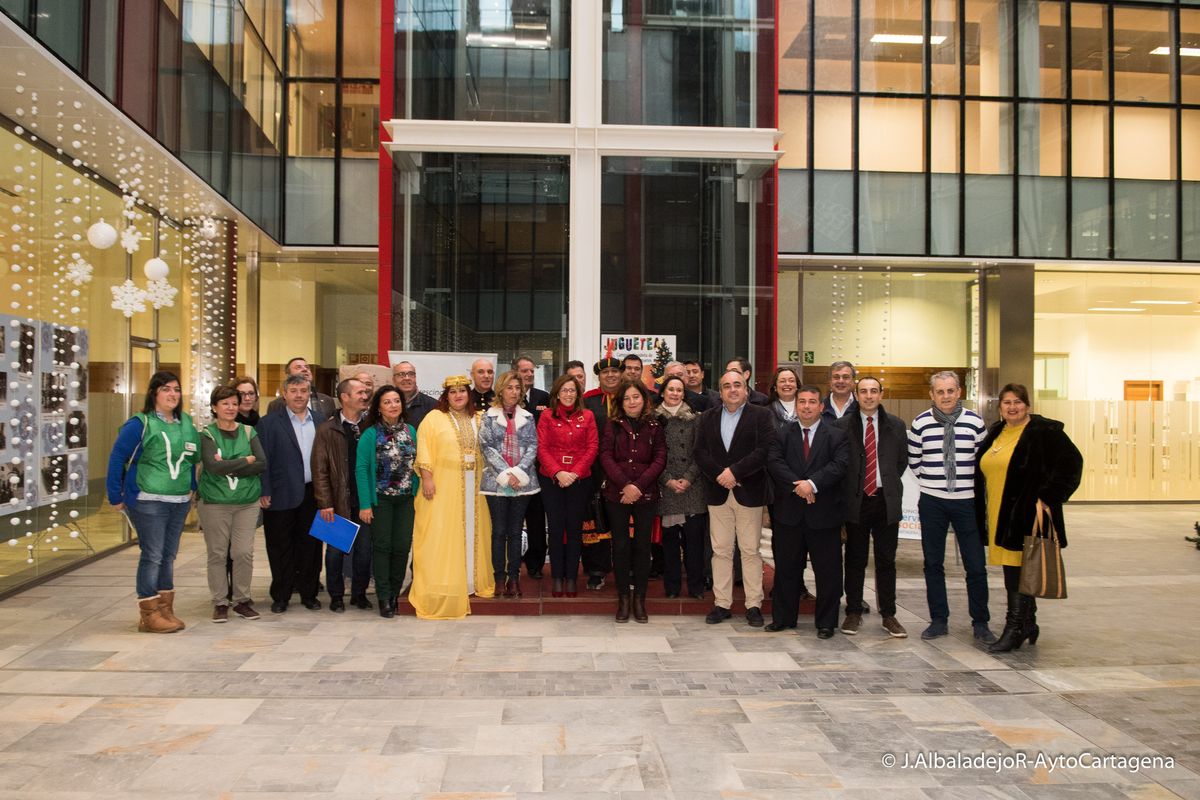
(472, 773)
(602, 772)
(497, 740)
(212, 711)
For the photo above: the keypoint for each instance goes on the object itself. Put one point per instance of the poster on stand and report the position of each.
(655, 351)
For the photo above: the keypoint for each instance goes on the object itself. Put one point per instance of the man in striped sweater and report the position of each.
(941, 454)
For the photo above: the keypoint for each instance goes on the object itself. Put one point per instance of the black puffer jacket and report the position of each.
(1045, 466)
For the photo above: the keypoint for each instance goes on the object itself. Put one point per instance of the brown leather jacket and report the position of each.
(330, 469)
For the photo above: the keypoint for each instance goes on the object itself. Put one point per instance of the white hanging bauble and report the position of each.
(101, 235)
(156, 269)
(208, 229)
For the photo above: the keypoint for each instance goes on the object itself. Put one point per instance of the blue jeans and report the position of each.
(937, 515)
(159, 526)
(508, 515)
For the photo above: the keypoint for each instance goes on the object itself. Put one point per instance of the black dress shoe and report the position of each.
(361, 601)
(776, 627)
(824, 633)
(387, 609)
(336, 605)
(278, 607)
(697, 595)
(672, 595)
(535, 574)
(717, 615)
(312, 605)
(754, 618)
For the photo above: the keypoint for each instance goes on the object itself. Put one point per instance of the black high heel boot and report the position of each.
(639, 608)
(1014, 627)
(623, 607)
(1031, 626)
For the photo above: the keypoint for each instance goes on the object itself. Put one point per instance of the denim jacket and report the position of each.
(491, 444)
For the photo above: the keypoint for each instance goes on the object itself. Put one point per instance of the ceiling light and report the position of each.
(918, 274)
(1114, 308)
(1161, 302)
(905, 38)
(1183, 51)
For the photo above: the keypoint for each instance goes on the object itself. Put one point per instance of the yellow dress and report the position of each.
(445, 570)
(995, 468)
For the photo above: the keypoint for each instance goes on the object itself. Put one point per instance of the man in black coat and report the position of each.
(732, 443)
(597, 556)
(878, 457)
(808, 463)
(535, 401)
(754, 396)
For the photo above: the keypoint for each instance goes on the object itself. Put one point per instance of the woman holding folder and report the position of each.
(387, 483)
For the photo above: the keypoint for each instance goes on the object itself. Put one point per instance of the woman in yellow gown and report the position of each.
(452, 532)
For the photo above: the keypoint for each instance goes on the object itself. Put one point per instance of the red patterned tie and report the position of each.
(869, 484)
(805, 443)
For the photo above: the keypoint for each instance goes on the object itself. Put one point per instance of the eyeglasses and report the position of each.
(405, 374)
(244, 395)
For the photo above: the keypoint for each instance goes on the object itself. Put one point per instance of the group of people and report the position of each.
(592, 477)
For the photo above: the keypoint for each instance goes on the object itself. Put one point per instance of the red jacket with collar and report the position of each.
(571, 436)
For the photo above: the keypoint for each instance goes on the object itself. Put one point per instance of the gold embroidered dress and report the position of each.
(452, 533)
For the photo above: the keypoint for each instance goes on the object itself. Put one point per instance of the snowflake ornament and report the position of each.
(131, 239)
(160, 293)
(128, 298)
(79, 271)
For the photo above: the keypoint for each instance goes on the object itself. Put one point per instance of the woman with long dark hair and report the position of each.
(633, 453)
(452, 531)
(387, 482)
(151, 479)
(1027, 468)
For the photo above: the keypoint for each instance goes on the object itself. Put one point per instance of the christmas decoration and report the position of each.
(160, 293)
(102, 235)
(156, 269)
(128, 298)
(131, 239)
(662, 357)
(79, 271)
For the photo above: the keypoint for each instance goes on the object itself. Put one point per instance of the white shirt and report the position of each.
(838, 412)
(812, 435)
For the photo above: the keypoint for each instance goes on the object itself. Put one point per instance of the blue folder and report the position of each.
(340, 533)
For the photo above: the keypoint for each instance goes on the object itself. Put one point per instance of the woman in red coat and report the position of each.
(633, 454)
(567, 445)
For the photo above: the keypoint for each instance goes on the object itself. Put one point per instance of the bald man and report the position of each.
(483, 375)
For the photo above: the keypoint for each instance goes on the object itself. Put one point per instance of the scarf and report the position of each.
(510, 451)
(949, 462)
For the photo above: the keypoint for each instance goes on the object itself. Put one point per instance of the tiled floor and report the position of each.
(317, 705)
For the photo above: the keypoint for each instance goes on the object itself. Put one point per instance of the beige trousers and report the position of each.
(728, 523)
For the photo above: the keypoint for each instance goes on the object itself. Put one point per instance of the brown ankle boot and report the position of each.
(639, 608)
(623, 608)
(167, 607)
(152, 620)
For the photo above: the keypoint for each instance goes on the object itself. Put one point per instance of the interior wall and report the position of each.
(1105, 350)
(908, 321)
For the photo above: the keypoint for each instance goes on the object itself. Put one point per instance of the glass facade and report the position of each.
(481, 240)
(990, 128)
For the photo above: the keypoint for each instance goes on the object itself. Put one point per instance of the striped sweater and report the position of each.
(925, 454)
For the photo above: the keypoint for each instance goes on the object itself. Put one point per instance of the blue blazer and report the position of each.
(283, 477)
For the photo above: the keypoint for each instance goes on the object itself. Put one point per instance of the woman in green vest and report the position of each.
(151, 477)
(387, 483)
(229, 491)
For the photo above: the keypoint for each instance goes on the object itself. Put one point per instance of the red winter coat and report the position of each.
(633, 457)
(567, 436)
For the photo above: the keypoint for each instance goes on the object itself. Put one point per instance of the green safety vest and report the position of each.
(226, 489)
(168, 451)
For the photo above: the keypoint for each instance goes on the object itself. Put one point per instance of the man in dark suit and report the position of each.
(808, 463)
(693, 379)
(288, 502)
(319, 403)
(840, 401)
(878, 456)
(483, 375)
(732, 444)
(535, 401)
(754, 396)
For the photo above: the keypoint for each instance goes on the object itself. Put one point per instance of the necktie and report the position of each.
(869, 484)
(806, 447)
